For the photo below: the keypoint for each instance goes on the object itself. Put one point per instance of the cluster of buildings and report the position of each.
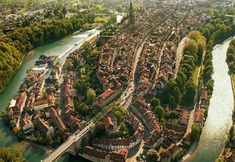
(150, 57)
(113, 144)
(158, 60)
(109, 148)
(97, 155)
(14, 18)
(166, 140)
(200, 110)
(34, 110)
(144, 112)
(157, 64)
(117, 57)
(70, 115)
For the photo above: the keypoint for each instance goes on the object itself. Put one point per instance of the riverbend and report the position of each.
(219, 118)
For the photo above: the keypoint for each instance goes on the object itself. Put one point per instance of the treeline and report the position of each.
(216, 31)
(15, 45)
(231, 57)
(182, 89)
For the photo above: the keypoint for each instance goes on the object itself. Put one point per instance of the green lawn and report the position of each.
(195, 74)
(234, 82)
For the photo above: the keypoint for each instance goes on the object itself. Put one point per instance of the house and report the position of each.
(171, 153)
(21, 101)
(230, 156)
(44, 127)
(108, 96)
(184, 117)
(110, 126)
(13, 114)
(199, 116)
(204, 97)
(26, 124)
(153, 140)
(97, 155)
(69, 103)
(41, 104)
(58, 120)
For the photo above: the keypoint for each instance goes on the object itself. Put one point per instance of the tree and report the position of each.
(91, 95)
(231, 66)
(152, 155)
(191, 46)
(160, 112)
(44, 95)
(100, 129)
(190, 93)
(48, 139)
(207, 72)
(174, 115)
(201, 47)
(155, 102)
(195, 133)
(123, 127)
(12, 154)
(172, 102)
(131, 14)
(195, 35)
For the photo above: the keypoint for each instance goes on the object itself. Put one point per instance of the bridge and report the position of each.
(73, 143)
(80, 138)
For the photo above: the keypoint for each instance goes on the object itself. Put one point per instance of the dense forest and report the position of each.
(11, 154)
(18, 43)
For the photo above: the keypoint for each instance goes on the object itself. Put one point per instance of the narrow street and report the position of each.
(128, 93)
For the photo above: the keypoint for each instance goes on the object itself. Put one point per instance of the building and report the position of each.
(96, 155)
(26, 124)
(199, 116)
(204, 97)
(110, 126)
(44, 127)
(21, 101)
(184, 116)
(42, 103)
(108, 96)
(171, 153)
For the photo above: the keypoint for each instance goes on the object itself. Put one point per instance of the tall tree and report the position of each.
(131, 14)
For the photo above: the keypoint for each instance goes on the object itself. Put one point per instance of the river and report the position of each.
(62, 48)
(219, 118)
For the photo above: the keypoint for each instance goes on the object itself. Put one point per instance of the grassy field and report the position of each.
(233, 76)
(195, 75)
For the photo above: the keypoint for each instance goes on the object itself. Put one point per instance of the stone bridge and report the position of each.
(73, 143)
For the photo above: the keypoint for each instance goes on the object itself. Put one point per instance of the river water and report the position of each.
(61, 48)
(219, 118)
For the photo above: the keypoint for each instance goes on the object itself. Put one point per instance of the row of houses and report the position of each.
(34, 109)
(97, 155)
(144, 112)
(117, 57)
